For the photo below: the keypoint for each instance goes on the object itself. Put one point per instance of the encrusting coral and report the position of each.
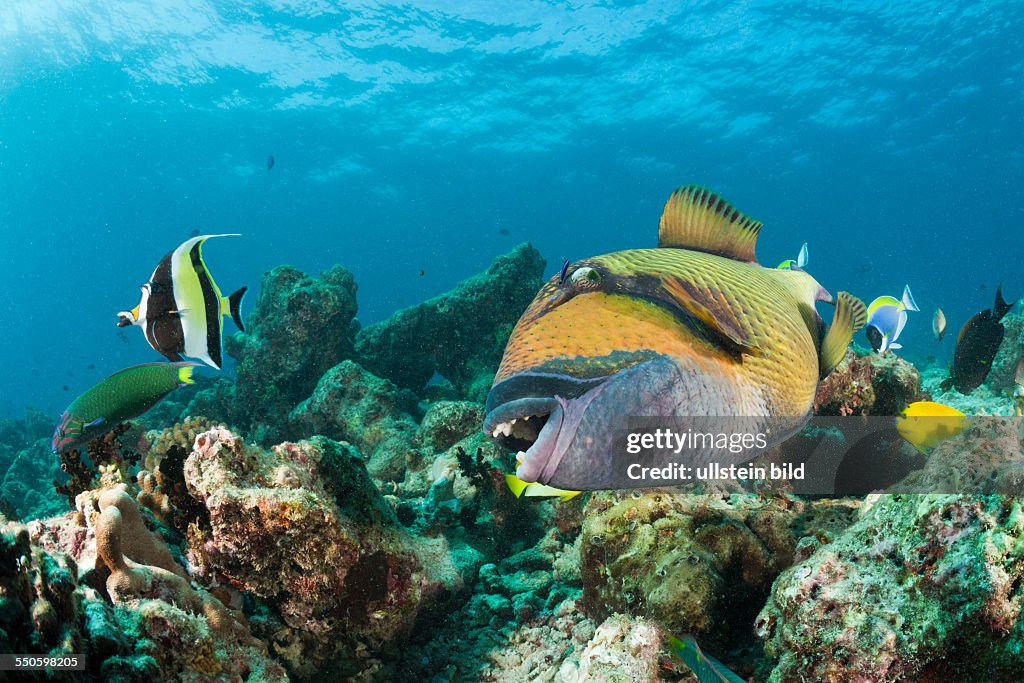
(686, 561)
(320, 544)
(925, 588)
(299, 328)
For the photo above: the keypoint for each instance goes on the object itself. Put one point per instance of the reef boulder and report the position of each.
(922, 587)
(459, 335)
(298, 329)
(869, 384)
(303, 527)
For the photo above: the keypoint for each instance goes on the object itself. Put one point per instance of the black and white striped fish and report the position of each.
(181, 306)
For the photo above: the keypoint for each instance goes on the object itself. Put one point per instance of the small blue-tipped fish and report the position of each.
(799, 263)
(706, 668)
(886, 317)
(270, 162)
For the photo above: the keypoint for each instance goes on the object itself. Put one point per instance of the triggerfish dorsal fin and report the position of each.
(716, 316)
(232, 305)
(697, 218)
(850, 316)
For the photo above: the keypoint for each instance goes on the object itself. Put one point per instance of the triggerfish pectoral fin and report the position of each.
(716, 316)
(522, 488)
(850, 316)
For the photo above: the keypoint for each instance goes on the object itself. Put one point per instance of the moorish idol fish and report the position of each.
(181, 306)
(976, 347)
(886, 317)
(122, 396)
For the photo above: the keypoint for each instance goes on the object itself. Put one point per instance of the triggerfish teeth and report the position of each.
(695, 327)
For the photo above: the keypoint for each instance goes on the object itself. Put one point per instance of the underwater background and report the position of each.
(404, 178)
(435, 136)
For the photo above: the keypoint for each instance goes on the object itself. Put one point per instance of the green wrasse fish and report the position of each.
(122, 396)
(695, 327)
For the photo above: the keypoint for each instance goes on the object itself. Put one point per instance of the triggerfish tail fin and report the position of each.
(1001, 308)
(697, 218)
(850, 317)
(522, 488)
(926, 424)
(803, 257)
(908, 300)
(706, 668)
(233, 305)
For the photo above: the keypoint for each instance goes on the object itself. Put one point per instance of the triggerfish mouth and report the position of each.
(693, 328)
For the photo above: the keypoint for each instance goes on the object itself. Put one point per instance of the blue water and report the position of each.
(407, 137)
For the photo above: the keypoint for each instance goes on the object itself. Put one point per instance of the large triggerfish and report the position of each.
(695, 327)
(122, 396)
(181, 306)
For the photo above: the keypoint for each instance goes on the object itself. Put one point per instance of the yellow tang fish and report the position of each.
(926, 424)
(695, 327)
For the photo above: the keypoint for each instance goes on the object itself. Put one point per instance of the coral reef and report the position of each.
(320, 544)
(985, 458)
(920, 588)
(298, 329)
(459, 335)
(27, 467)
(686, 561)
(869, 384)
(350, 404)
(623, 650)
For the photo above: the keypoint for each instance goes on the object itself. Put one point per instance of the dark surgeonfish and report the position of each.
(122, 396)
(695, 327)
(976, 347)
(181, 306)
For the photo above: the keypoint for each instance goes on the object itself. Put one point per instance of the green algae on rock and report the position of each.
(920, 588)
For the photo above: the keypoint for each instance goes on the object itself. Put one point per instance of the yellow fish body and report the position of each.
(695, 327)
(926, 424)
